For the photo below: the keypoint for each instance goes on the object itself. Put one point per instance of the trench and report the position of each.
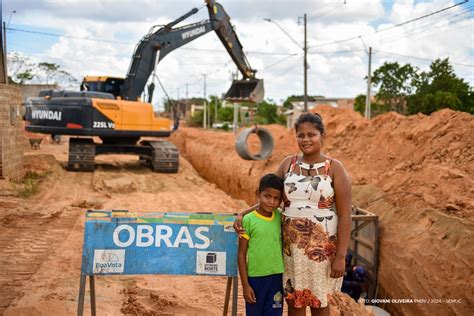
(426, 236)
(406, 260)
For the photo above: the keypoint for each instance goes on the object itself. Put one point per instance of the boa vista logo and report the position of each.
(109, 261)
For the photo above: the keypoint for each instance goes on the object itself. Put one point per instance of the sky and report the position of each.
(98, 37)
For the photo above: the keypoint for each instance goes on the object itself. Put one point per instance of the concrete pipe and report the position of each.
(266, 142)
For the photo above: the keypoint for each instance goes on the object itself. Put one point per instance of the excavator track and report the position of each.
(81, 155)
(164, 156)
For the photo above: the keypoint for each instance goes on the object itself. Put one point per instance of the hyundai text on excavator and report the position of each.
(111, 109)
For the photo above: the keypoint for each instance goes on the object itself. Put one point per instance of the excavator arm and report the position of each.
(159, 43)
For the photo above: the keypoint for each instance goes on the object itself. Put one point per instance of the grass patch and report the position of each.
(29, 185)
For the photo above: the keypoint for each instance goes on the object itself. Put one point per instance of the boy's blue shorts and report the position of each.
(269, 294)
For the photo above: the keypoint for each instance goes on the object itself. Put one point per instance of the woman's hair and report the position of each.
(313, 118)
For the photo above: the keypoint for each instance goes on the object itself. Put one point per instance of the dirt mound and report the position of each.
(414, 172)
(43, 234)
(418, 159)
(425, 160)
(342, 304)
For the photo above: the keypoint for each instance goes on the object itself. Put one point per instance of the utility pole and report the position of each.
(3, 55)
(369, 80)
(305, 68)
(215, 110)
(305, 59)
(235, 122)
(186, 104)
(204, 120)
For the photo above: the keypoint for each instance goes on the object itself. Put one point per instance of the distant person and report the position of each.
(316, 220)
(355, 280)
(260, 257)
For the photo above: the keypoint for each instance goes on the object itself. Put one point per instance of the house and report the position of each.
(298, 107)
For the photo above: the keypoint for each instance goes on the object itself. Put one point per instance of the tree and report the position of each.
(49, 69)
(225, 114)
(376, 108)
(266, 113)
(395, 84)
(25, 76)
(20, 68)
(441, 88)
(288, 105)
(359, 104)
(197, 119)
(24, 69)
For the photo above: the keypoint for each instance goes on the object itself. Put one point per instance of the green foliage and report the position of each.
(376, 108)
(282, 119)
(359, 104)
(441, 88)
(29, 186)
(49, 68)
(266, 113)
(225, 114)
(394, 85)
(168, 104)
(406, 90)
(23, 69)
(24, 76)
(287, 104)
(197, 119)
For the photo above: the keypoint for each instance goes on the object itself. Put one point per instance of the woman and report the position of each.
(315, 235)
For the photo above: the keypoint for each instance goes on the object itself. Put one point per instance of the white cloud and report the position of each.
(330, 74)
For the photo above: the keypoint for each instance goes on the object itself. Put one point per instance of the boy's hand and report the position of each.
(238, 225)
(337, 266)
(249, 295)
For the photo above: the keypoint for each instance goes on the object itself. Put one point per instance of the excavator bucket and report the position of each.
(250, 90)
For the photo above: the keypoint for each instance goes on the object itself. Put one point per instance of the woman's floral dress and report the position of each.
(309, 236)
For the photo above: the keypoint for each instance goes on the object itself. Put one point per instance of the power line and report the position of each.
(69, 36)
(133, 44)
(428, 26)
(420, 58)
(391, 27)
(279, 61)
(337, 52)
(445, 30)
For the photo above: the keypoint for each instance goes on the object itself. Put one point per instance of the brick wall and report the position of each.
(12, 139)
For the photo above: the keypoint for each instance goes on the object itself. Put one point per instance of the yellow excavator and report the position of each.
(111, 108)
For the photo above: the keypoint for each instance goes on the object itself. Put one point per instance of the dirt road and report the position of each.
(42, 237)
(414, 172)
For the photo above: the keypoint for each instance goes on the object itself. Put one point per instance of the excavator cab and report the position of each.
(105, 84)
(249, 90)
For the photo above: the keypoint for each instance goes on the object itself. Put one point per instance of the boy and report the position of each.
(261, 273)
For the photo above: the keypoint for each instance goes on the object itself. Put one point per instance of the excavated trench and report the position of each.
(414, 172)
(42, 235)
(411, 171)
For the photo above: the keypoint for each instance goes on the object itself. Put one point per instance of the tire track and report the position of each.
(30, 236)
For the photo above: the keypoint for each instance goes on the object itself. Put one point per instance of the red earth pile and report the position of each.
(414, 172)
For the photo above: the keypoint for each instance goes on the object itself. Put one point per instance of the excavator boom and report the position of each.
(158, 43)
(110, 108)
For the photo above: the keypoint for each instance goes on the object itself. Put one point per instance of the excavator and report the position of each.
(111, 109)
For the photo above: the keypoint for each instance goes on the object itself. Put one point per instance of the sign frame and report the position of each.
(112, 240)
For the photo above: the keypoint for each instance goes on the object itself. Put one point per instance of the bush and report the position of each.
(29, 186)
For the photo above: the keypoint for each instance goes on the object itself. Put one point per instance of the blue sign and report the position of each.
(122, 242)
